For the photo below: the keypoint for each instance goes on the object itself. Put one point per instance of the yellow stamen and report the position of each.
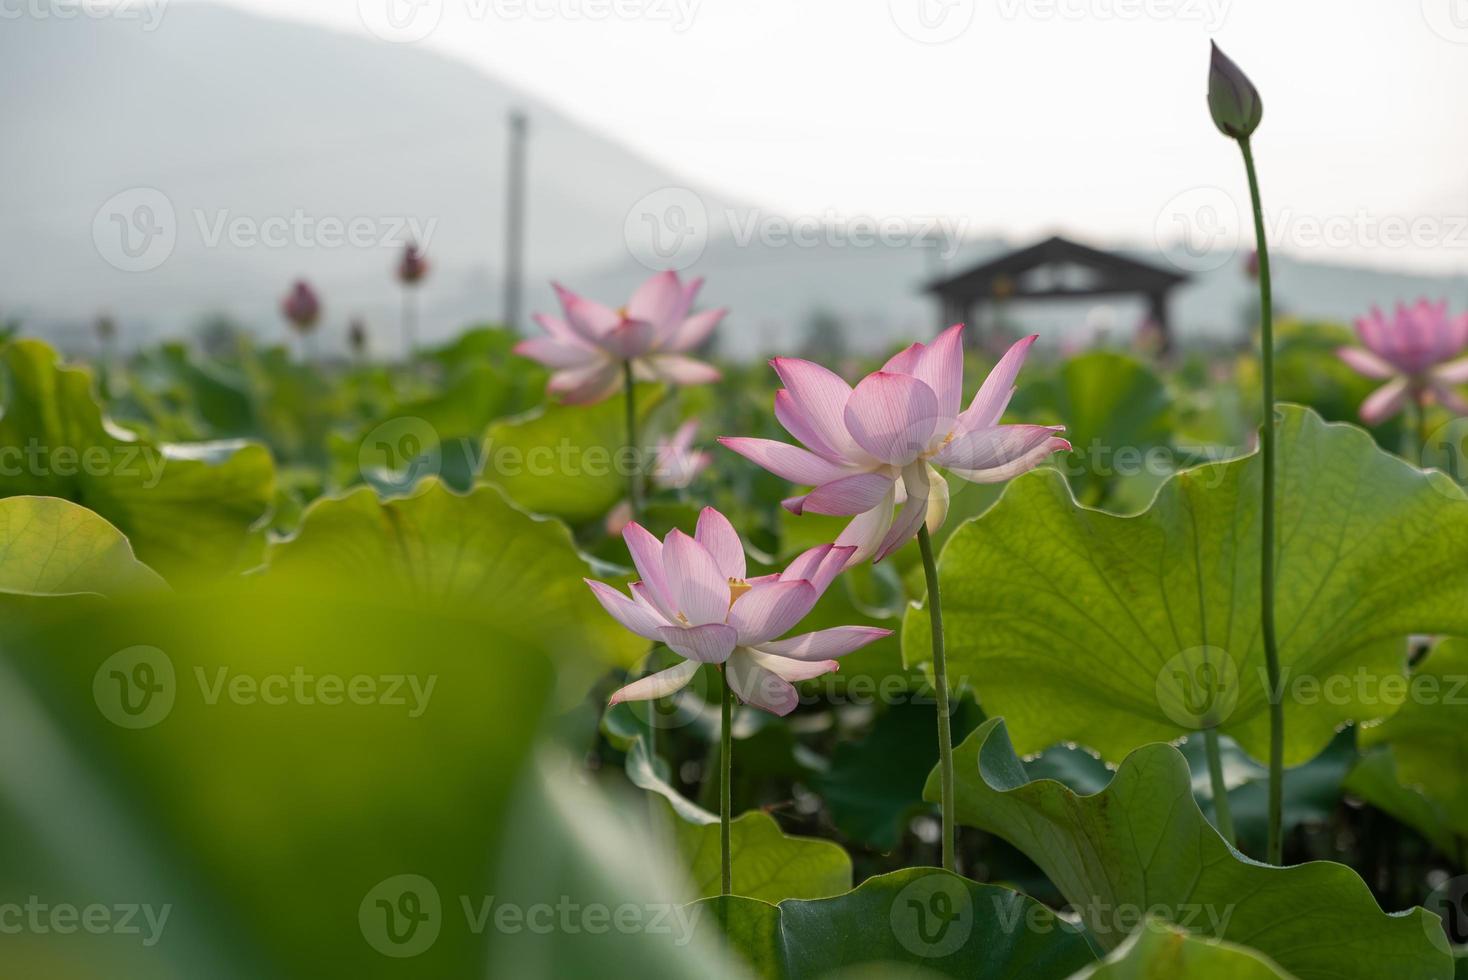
(737, 588)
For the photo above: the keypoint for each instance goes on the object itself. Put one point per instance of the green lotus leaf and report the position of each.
(1117, 414)
(1312, 792)
(1141, 847)
(188, 509)
(327, 787)
(1428, 735)
(768, 864)
(418, 438)
(1375, 780)
(53, 547)
(916, 922)
(1147, 627)
(569, 461)
(1159, 951)
(474, 556)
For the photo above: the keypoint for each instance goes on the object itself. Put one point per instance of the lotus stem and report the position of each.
(1424, 436)
(634, 486)
(410, 324)
(940, 685)
(1268, 451)
(634, 502)
(726, 783)
(1222, 816)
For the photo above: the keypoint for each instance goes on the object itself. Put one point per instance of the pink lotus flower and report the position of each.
(413, 266)
(587, 349)
(872, 447)
(1411, 353)
(301, 307)
(693, 596)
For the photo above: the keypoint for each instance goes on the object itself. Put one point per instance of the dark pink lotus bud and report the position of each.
(1251, 265)
(1232, 98)
(301, 307)
(413, 267)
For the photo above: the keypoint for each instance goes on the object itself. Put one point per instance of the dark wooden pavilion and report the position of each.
(1056, 268)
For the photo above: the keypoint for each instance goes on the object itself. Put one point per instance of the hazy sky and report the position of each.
(1013, 116)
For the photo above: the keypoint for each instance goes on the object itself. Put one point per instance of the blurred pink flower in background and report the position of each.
(694, 597)
(875, 446)
(1412, 352)
(301, 307)
(587, 348)
(678, 463)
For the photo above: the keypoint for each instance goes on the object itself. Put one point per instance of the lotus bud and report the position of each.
(413, 267)
(302, 308)
(1232, 99)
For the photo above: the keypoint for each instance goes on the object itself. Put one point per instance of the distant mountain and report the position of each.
(219, 126)
(244, 123)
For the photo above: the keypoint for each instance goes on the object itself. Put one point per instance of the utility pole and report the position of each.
(515, 219)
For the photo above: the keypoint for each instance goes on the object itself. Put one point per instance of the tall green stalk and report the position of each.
(634, 483)
(634, 502)
(726, 783)
(1419, 398)
(1268, 450)
(410, 324)
(1222, 814)
(940, 685)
